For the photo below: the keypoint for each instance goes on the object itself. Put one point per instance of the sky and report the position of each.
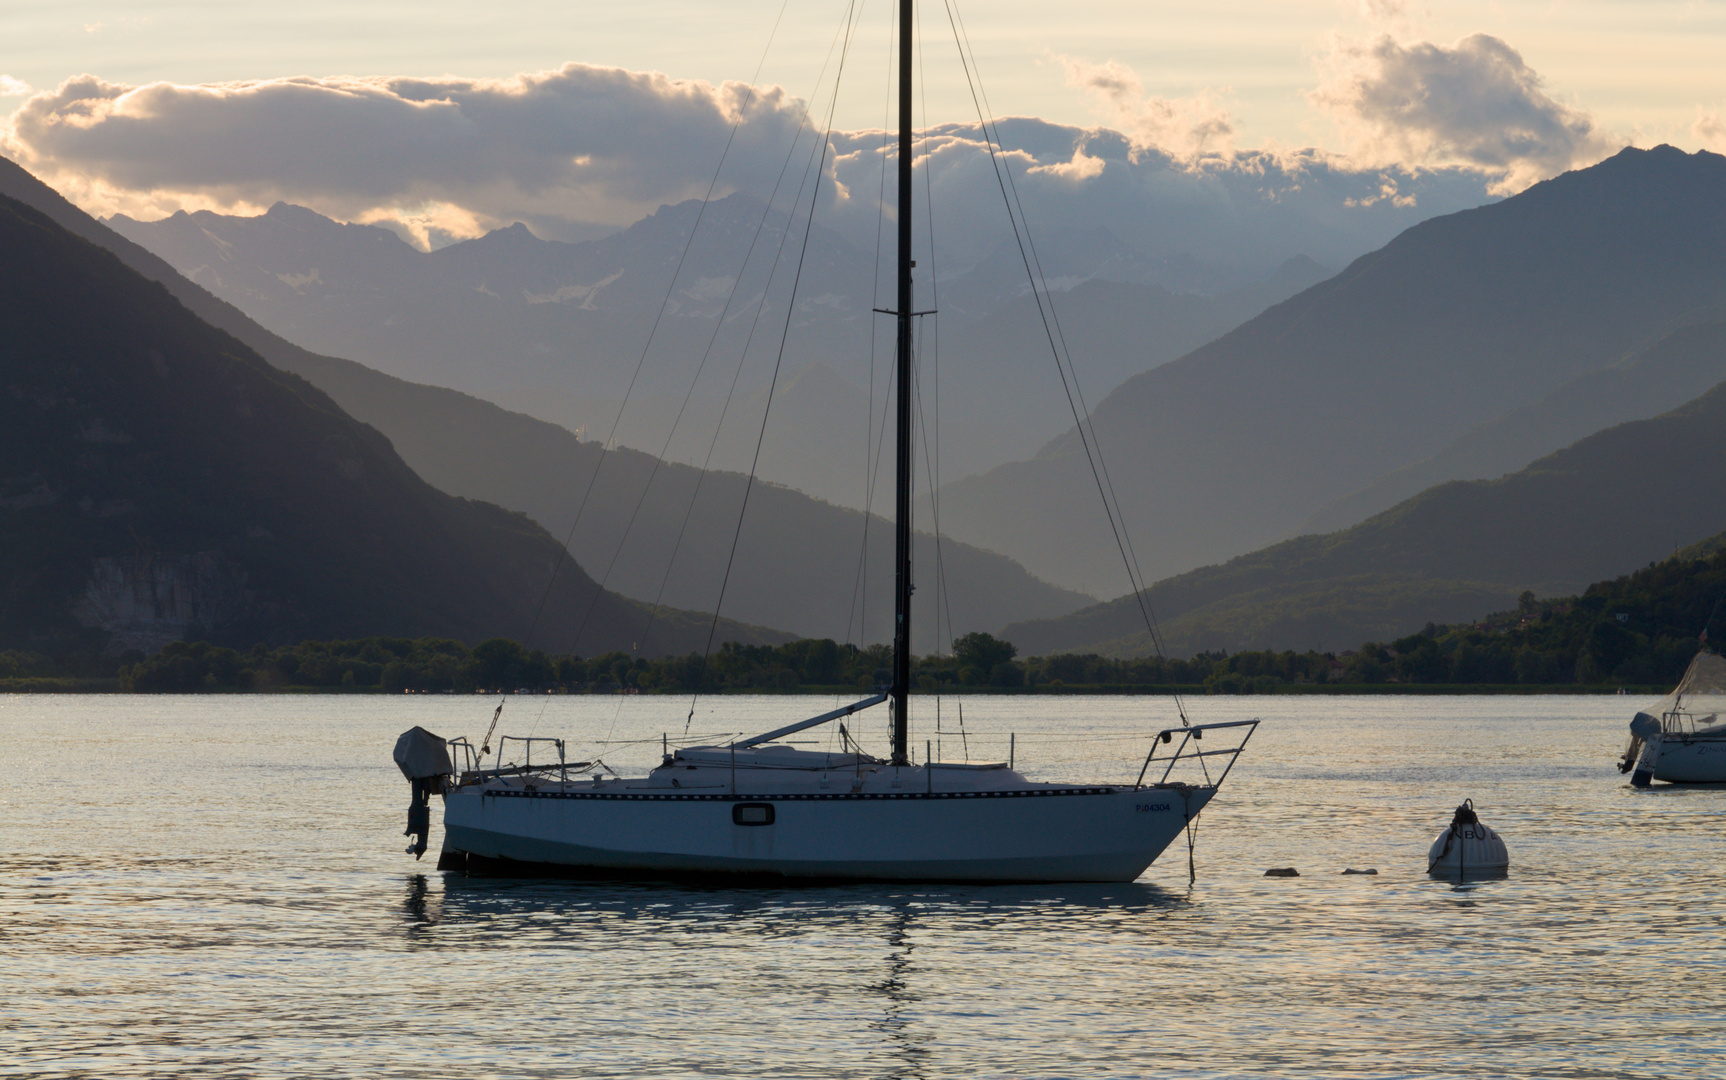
(153, 105)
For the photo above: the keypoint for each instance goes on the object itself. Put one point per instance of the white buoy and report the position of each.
(1467, 847)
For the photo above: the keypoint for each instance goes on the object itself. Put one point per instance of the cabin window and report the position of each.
(752, 813)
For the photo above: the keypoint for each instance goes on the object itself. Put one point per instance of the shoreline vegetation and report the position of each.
(113, 686)
(1635, 634)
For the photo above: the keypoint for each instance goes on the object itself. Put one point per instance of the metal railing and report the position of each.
(463, 756)
(1190, 736)
(473, 773)
(1684, 722)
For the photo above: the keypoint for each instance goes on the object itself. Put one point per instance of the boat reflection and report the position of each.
(498, 905)
(419, 911)
(898, 940)
(908, 1043)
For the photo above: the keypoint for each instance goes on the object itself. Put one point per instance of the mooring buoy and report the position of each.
(1468, 846)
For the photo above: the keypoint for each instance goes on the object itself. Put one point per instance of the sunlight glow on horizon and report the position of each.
(1643, 70)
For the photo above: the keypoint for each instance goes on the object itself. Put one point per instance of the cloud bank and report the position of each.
(1474, 104)
(1429, 129)
(614, 143)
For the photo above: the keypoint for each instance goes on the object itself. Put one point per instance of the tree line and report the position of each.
(1639, 630)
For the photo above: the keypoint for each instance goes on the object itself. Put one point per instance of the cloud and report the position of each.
(442, 159)
(494, 150)
(1253, 208)
(10, 87)
(1710, 128)
(1388, 191)
(1186, 127)
(1395, 16)
(1474, 104)
(1080, 167)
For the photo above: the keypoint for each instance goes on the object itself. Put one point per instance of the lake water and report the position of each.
(215, 886)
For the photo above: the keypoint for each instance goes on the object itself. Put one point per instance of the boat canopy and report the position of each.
(1699, 700)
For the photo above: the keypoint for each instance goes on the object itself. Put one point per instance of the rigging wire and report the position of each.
(933, 433)
(719, 324)
(706, 354)
(1003, 174)
(839, 35)
(940, 564)
(860, 584)
(605, 447)
(1135, 573)
(658, 318)
(853, 15)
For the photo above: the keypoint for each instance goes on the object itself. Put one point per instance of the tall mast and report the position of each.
(902, 481)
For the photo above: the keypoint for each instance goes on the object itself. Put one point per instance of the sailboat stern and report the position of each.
(1645, 740)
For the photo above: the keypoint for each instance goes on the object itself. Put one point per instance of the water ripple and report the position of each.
(185, 893)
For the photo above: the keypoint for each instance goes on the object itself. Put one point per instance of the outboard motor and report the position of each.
(424, 760)
(1466, 846)
(1644, 749)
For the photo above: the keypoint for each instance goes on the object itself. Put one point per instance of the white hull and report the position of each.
(1683, 759)
(1028, 833)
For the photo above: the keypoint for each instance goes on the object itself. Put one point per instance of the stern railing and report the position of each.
(471, 772)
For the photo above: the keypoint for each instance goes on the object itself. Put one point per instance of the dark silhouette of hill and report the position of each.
(543, 327)
(158, 478)
(1641, 385)
(554, 329)
(1457, 321)
(1612, 502)
(797, 559)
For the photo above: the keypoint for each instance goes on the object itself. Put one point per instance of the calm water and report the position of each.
(216, 887)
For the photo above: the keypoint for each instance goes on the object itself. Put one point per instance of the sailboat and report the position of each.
(1681, 739)
(757, 806)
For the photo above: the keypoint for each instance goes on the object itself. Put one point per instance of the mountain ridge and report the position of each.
(556, 330)
(1599, 508)
(160, 479)
(1645, 383)
(1457, 320)
(472, 448)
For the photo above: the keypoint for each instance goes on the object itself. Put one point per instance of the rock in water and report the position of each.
(1282, 871)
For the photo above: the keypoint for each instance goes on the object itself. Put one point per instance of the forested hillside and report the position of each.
(1641, 629)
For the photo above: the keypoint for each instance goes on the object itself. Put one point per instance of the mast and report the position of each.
(902, 586)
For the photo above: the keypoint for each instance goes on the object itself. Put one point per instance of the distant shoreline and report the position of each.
(112, 686)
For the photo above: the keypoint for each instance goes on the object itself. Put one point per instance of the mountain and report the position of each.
(1114, 330)
(990, 383)
(1070, 258)
(560, 330)
(796, 561)
(556, 330)
(1456, 322)
(1643, 384)
(158, 478)
(1612, 502)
